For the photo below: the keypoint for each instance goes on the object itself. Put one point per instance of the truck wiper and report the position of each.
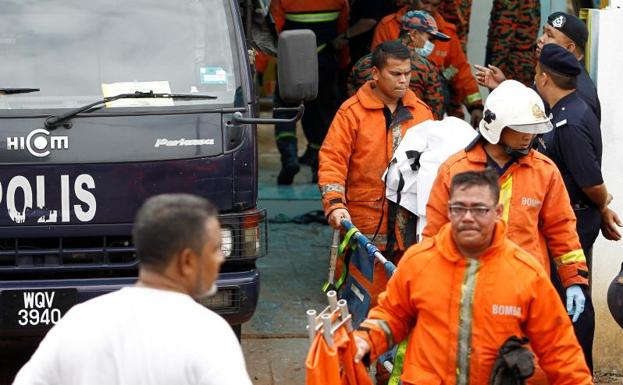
(53, 121)
(10, 91)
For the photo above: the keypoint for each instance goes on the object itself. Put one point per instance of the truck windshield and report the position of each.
(76, 52)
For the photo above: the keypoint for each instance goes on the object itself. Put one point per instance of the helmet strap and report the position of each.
(514, 153)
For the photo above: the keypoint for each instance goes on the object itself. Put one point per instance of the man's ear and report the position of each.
(375, 72)
(544, 79)
(499, 210)
(186, 261)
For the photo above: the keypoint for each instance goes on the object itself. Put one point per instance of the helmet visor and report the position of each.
(535, 128)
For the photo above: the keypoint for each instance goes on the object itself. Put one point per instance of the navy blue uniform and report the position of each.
(587, 91)
(575, 146)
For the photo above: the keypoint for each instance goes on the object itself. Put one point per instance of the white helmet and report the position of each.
(515, 106)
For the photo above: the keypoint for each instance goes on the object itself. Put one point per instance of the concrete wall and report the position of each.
(608, 256)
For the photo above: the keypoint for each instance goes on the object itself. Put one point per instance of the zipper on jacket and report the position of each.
(465, 322)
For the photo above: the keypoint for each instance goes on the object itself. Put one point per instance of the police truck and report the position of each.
(106, 103)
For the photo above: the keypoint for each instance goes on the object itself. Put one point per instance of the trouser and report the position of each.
(588, 225)
(318, 112)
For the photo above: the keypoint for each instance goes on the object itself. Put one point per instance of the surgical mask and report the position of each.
(426, 50)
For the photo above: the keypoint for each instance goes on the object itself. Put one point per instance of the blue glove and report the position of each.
(575, 301)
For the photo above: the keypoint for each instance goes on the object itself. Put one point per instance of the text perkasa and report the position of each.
(163, 142)
(38, 143)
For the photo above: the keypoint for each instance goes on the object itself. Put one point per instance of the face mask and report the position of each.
(426, 50)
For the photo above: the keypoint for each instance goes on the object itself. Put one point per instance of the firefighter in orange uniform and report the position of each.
(447, 55)
(536, 204)
(361, 141)
(472, 291)
(327, 19)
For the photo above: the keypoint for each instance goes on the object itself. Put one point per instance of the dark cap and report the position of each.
(422, 21)
(559, 60)
(574, 28)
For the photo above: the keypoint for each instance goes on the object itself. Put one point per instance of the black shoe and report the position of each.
(287, 173)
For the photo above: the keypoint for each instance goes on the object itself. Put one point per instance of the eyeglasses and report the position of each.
(459, 211)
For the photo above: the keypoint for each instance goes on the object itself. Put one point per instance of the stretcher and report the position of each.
(359, 256)
(330, 360)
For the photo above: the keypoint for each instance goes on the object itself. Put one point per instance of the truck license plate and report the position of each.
(35, 309)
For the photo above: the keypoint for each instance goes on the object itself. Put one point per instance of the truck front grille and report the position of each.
(244, 238)
(67, 252)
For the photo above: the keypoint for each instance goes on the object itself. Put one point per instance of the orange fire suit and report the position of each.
(536, 208)
(466, 308)
(353, 158)
(447, 55)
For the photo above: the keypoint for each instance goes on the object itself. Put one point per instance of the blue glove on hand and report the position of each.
(575, 301)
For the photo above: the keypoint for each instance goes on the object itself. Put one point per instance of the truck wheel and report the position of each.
(237, 331)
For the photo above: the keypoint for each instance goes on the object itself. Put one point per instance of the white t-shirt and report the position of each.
(138, 336)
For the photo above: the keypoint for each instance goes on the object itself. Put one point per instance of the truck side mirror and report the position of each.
(297, 68)
(297, 72)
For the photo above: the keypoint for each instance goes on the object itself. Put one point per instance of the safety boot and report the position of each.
(289, 161)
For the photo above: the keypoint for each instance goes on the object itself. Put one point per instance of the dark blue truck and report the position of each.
(104, 104)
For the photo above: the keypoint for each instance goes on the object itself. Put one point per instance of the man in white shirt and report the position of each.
(154, 332)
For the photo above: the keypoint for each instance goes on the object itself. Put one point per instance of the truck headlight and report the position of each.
(251, 242)
(227, 241)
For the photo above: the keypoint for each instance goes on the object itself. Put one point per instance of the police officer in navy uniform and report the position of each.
(571, 33)
(575, 146)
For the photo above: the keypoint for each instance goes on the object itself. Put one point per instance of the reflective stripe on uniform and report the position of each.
(320, 17)
(506, 192)
(450, 72)
(464, 347)
(471, 98)
(284, 135)
(332, 187)
(574, 256)
(396, 137)
(379, 239)
(399, 360)
(321, 47)
(384, 326)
